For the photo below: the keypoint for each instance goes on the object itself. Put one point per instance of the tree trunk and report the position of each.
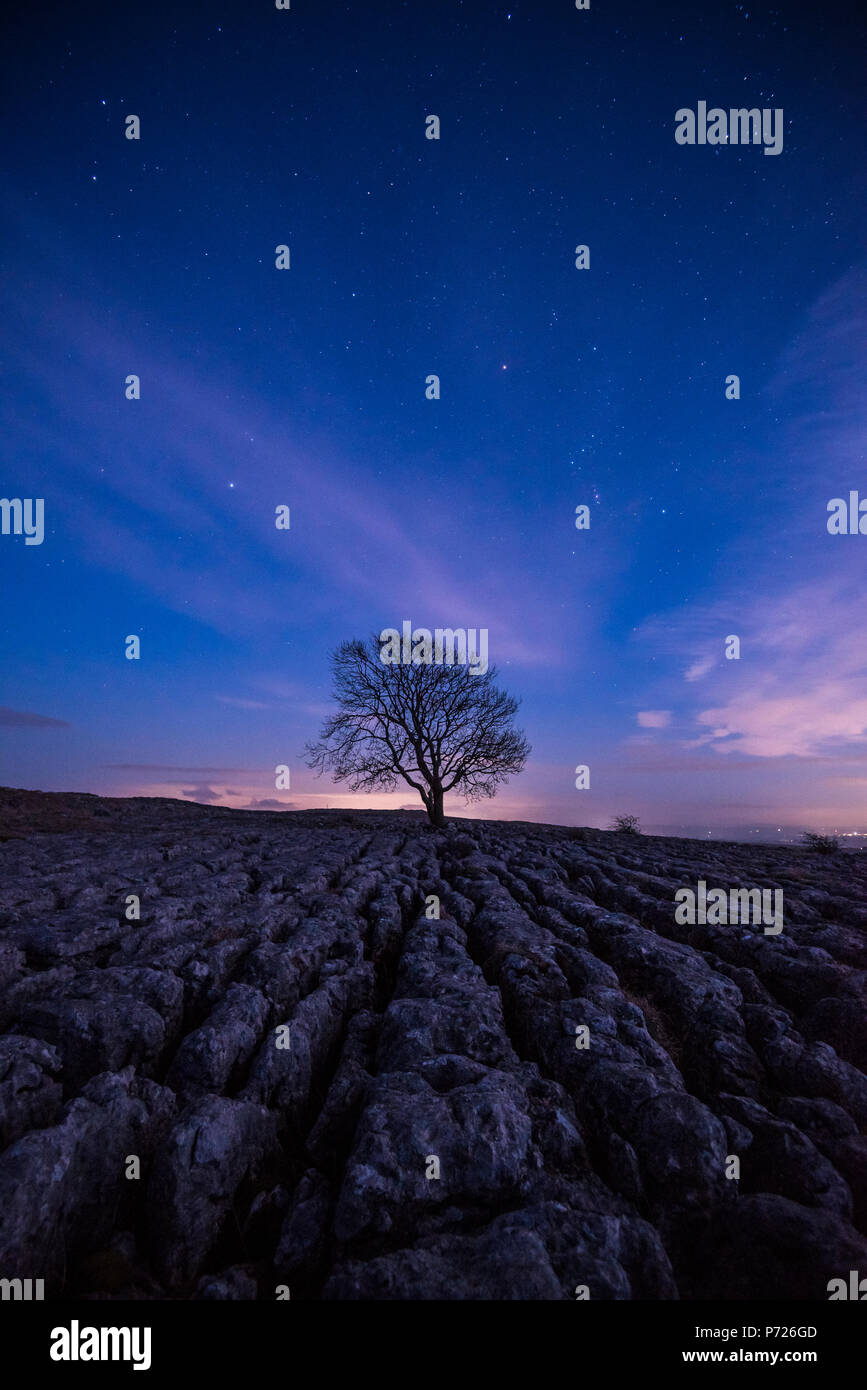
(434, 805)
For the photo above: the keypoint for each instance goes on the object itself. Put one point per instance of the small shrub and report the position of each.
(822, 844)
(627, 825)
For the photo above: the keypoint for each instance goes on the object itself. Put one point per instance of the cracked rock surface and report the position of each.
(290, 1073)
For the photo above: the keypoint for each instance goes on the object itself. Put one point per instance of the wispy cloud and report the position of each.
(203, 476)
(23, 719)
(792, 594)
(654, 718)
(699, 668)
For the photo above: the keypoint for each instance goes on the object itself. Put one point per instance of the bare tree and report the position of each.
(439, 727)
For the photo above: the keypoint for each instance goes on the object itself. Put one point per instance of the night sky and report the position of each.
(559, 387)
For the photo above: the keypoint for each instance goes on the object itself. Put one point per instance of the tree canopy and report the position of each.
(438, 727)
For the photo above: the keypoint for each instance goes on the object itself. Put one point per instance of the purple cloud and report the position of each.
(21, 719)
(200, 794)
(654, 718)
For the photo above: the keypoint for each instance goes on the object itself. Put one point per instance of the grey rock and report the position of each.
(412, 1038)
(214, 1147)
(31, 1096)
